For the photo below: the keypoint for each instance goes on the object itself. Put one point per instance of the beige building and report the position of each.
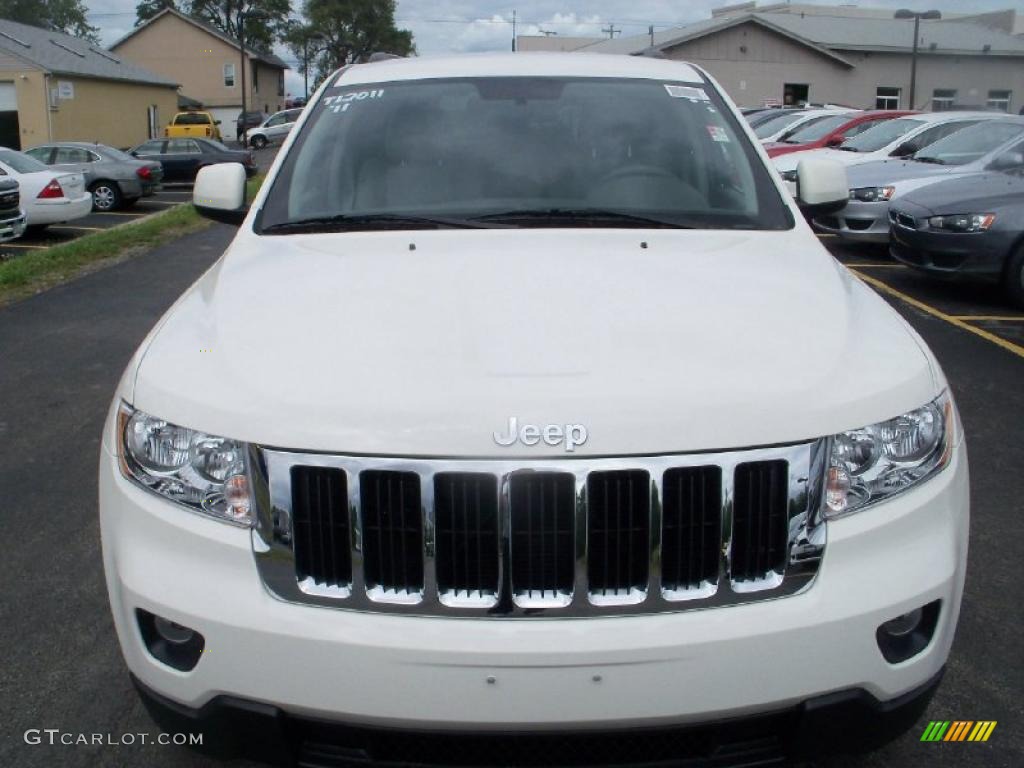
(854, 56)
(207, 63)
(55, 87)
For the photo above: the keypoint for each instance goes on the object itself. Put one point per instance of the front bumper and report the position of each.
(12, 228)
(975, 254)
(846, 721)
(858, 222)
(534, 674)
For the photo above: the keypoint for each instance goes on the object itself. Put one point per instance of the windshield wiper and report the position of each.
(927, 159)
(344, 221)
(590, 216)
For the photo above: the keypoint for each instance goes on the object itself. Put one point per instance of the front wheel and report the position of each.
(1013, 278)
(258, 142)
(106, 196)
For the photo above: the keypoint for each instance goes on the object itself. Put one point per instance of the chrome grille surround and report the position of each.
(275, 559)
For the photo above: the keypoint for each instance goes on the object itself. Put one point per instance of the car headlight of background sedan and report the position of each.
(203, 472)
(963, 222)
(872, 194)
(881, 460)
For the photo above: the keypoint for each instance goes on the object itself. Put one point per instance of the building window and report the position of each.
(943, 98)
(887, 97)
(999, 100)
(229, 75)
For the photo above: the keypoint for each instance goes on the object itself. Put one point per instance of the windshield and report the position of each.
(526, 149)
(115, 154)
(192, 118)
(881, 135)
(776, 124)
(969, 144)
(819, 129)
(20, 163)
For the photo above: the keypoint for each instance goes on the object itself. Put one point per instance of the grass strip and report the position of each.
(38, 270)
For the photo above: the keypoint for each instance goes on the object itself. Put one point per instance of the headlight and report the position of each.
(877, 462)
(203, 472)
(963, 222)
(872, 194)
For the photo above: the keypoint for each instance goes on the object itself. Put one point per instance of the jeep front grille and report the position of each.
(574, 537)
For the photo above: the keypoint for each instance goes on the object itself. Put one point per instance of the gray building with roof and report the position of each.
(786, 54)
(55, 87)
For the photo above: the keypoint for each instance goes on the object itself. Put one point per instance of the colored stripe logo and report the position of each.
(958, 730)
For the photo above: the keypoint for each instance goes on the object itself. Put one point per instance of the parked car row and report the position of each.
(60, 182)
(945, 190)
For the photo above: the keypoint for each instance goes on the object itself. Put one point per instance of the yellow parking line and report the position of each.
(163, 202)
(822, 234)
(68, 226)
(1009, 346)
(20, 245)
(116, 213)
(994, 318)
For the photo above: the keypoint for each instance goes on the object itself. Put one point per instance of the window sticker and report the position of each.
(686, 92)
(718, 133)
(343, 101)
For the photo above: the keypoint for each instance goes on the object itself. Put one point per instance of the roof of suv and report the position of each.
(538, 64)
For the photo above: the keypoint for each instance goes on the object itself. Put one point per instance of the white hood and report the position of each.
(355, 343)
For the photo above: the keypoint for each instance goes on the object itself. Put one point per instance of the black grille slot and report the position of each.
(691, 528)
(467, 533)
(760, 519)
(618, 531)
(392, 530)
(542, 533)
(320, 525)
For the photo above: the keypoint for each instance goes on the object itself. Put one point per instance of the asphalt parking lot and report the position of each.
(62, 352)
(170, 195)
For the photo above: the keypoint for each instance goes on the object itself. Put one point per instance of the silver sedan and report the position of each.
(115, 178)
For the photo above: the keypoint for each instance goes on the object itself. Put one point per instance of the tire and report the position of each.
(1013, 277)
(258, 142)
(106, 196)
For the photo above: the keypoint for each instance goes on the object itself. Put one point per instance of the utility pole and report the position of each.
(904, 14)
(611, 31)
(513, 30)
(650, 31)
(241, 49)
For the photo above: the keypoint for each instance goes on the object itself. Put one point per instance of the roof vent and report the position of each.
(13, 39)
(79, 54)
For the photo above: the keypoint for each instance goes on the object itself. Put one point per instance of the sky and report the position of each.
(463, 26)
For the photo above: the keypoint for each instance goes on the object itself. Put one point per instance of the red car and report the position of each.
(831, 132)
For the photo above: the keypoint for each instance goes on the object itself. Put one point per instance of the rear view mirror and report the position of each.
(219, 193)
(821, 186)
(906, 149)
(1007, 161)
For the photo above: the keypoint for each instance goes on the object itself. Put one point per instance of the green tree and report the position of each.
(67, 16)
(147, 9)
(265, 21)
(348, 31)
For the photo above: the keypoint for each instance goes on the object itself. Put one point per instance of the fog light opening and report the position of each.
(168, 642)
(905, 636)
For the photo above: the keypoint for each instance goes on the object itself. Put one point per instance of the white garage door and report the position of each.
(227, 117)
(8, 99)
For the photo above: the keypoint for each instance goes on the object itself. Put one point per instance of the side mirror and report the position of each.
(1007, 161)
(906, 149)
(219, 193)
(216, 122)
(835, 141)
(821, 187)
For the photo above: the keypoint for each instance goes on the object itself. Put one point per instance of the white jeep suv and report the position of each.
(525, 420)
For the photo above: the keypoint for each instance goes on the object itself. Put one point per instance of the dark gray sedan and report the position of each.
(972, 226)
(115, 178)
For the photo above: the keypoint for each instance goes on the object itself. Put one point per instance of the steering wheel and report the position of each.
(626, 171)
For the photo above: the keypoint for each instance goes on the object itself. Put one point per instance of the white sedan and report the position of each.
(47, 196)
